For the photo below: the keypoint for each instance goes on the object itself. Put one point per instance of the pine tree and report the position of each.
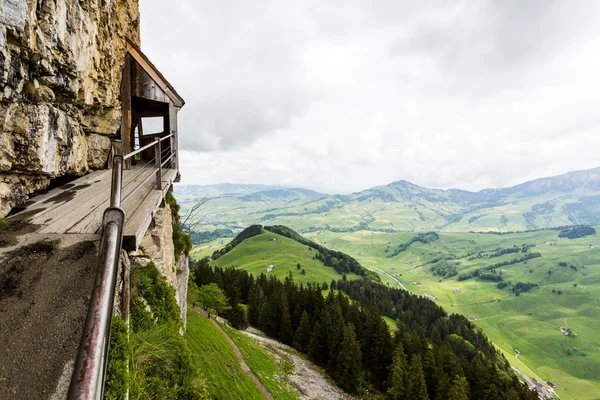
(416, 388)
(349, 370)
(397, 377)
(237, 317)
(459, 389)
(286, 332)
(302, 336)
(317, 347)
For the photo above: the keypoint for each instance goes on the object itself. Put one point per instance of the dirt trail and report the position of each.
(240, 358)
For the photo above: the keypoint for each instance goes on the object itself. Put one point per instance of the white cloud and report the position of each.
(348, 95)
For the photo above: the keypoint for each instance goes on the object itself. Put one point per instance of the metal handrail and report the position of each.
(90, 363)
(153, 143)
(87, 382)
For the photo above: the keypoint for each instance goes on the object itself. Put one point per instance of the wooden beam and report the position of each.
(126, 117)
(151, 70)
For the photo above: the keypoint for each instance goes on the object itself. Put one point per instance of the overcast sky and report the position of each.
(346, 95)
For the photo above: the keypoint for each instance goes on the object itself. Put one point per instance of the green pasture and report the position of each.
(257, 253)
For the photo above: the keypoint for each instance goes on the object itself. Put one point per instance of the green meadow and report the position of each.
(258, 253)
(529, 322)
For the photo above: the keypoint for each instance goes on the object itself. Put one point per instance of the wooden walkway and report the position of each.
(77, 207)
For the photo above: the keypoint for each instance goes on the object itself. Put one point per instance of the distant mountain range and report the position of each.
(567, 199)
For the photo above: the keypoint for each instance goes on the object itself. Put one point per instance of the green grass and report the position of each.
(391, 323)
(206, 249)
(258, 252)
(528, 322)
(262, 363)
(210, 351)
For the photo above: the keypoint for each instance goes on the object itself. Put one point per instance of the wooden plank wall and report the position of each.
(142, 85)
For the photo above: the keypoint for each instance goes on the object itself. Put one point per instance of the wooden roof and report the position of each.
(155, 74)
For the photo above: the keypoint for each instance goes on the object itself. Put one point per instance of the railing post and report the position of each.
(116, 184)
(158, 159)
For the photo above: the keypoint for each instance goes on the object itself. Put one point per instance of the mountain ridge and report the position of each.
(572, 198)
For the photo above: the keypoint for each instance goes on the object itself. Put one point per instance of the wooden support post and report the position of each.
(158, 160)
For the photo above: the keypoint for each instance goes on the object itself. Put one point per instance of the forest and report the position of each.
(431, 355)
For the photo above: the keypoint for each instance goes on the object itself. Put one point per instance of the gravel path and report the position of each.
(308, 379)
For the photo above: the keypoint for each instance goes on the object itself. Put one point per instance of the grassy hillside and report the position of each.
(210, 350)
(529, 322)
(262, 363)
(257, 253)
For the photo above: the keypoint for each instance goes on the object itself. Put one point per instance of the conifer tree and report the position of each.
(317, 347)
(459, 389)
(335, 332)
(416, 388)
(349, 370)
(286, 332)
(237, 317)
(302, 336)
(397, 377)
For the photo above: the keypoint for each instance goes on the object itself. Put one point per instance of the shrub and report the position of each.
(117, 373)
(151, 288)
(162, 367)
(286, 366)
(181, 241)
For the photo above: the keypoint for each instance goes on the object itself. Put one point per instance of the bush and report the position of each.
(181, 241)
(162, 367)
(286, 366)
(117, 372)
(161, 364)
(151, 288)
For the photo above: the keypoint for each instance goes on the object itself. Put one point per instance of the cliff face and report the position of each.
(158, 245)
(60, 74)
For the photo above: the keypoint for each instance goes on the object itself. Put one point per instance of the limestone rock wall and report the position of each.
(60, 75)
(158, 245)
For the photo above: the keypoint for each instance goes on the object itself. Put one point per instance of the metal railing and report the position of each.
(87, 382)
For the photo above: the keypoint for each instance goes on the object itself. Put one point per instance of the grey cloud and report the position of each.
(357, 93)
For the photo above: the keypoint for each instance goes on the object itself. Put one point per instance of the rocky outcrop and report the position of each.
(60, 75)
(158, 245)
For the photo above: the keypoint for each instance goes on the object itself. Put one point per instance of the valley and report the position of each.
(567, 296)
(529, 322)
(493, 256)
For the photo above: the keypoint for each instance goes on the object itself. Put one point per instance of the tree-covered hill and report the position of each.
(432, 355)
